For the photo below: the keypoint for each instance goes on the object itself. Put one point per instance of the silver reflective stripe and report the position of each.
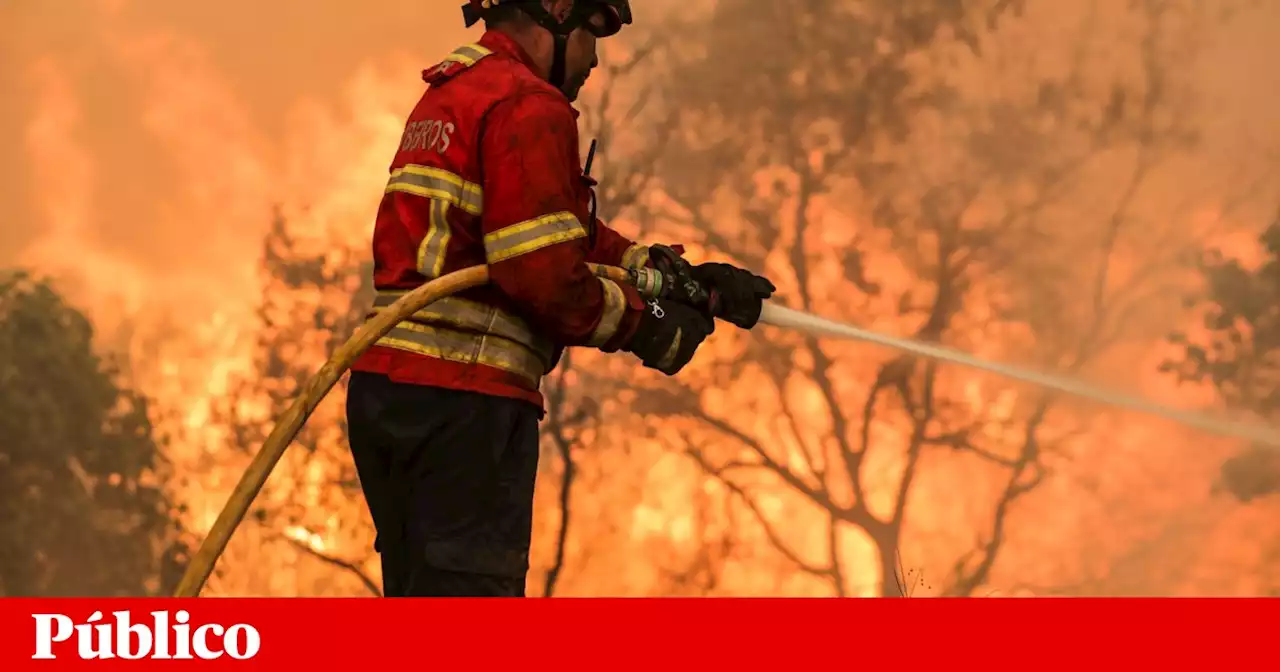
(445, 190)
(468, 55)
(466, 348)
(532, 235)
(615, 303)
(474, 317)
(436, 241)
(635, 257)
(438, 184)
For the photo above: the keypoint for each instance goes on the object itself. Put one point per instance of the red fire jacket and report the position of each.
(488, 172)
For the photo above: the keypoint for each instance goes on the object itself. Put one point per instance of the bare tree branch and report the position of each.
(817, 495)
(829, 573)
(966, 581)
(345, 565)
(557, 426)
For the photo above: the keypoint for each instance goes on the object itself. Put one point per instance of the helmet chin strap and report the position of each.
(559, 61)
(560, 32)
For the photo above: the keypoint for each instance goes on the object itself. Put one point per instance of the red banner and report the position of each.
(611, 634)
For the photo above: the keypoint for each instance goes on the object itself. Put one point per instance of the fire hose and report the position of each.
(650, 283)
(288, 426)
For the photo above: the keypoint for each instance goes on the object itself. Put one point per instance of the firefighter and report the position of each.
(443, 412)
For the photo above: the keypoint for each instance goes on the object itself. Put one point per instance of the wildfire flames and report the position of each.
(157, 146)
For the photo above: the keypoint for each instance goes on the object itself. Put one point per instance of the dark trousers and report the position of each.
(448, 477)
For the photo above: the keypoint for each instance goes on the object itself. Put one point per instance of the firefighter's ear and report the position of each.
(558, 8)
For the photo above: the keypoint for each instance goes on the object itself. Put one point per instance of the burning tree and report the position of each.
(874, 180)
(872, 183)
(82, 508)
(1239, 354)
(314, 294)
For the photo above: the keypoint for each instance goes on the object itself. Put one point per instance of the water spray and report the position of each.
(811, 324)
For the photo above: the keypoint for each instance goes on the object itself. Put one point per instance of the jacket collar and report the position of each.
(501, 44)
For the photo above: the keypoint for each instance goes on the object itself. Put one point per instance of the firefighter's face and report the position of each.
(580, 56)
(580, 53)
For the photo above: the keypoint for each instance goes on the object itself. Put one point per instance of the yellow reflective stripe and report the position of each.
(532, 235)
(436, 242)
(456, 346)
(445, 190)
(438, 184)
(635, 257)
(467, 55)
(475, 317)
(615, 304)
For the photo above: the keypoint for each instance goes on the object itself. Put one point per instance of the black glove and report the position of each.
(739, 293)
(668, 335)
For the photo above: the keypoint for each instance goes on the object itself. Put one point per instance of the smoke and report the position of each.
(146, 143)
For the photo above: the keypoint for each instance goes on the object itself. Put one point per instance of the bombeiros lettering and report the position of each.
(427, 135)
(166, 637)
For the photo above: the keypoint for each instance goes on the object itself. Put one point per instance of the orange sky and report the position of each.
(152, 137)
(152, 92)
(126, 117)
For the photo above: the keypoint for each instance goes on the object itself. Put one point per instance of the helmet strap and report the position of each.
(560, 32)
(558, 61)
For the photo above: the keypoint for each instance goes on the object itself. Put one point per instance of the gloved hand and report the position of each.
(668, 335)
(740, 292)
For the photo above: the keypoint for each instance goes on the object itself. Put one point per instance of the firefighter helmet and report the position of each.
(616, 13)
